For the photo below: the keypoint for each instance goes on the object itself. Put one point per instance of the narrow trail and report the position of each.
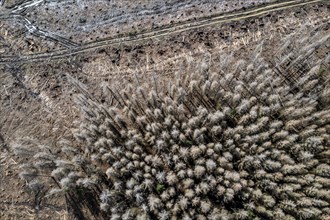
(177, 28)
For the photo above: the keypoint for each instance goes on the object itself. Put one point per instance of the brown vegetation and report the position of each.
(244, 139)
(37, 112)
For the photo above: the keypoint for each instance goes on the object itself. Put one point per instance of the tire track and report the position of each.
(15, 13)
(203, 22)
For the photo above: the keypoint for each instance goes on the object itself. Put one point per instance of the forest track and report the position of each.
(156, 33)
